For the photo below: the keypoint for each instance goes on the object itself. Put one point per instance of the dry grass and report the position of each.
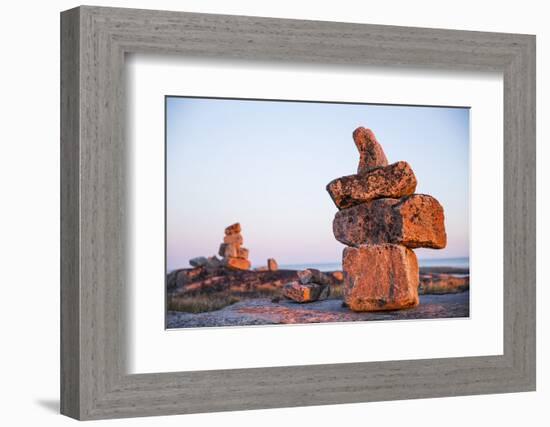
(203, 301)
(337, 292)
(200, 303)
(434, 288)
(260, 293)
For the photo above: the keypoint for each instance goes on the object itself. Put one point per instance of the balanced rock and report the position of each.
(237, 263)
(233, 229)
(414, 221)
(371, 154)
(310, 292)
(233, 239)
(272, 264)
(395, 181)
(229, 250)
(213, 263)
(242, 253)
(198, 261)
(338, 275)
(312, 275)
(380, 277)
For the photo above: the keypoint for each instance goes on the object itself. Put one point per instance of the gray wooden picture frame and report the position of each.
(94, 382)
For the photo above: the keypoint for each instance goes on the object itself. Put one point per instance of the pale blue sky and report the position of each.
(266, 165)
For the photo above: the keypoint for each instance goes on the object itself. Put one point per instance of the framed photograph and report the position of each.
(262, 213)
(292, 270)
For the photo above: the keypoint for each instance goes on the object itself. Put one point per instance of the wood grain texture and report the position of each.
(70, 291)
(94, 237)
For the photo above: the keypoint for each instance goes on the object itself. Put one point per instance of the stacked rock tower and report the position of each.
(231, 250)
(381, 220)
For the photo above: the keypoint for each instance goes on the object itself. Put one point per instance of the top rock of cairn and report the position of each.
(371, 154)
(233, 229)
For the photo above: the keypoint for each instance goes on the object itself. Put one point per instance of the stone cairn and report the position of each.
(381, 220)
(233, 254)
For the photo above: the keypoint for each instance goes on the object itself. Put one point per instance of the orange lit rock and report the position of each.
(236, 239)
(272, 264)
(380, 277)
(242, 253)
(338, 275)
(414, 221)
(310, 292)
(395, 181)
(371, 154)
(233, 229)
(237, 263)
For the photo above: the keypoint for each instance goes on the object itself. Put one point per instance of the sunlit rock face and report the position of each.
(233, 239)
(380, 277)
(396, 180)
(237, 263)
(272, 264)
(371, 154)
(415, 221)
(233, 229)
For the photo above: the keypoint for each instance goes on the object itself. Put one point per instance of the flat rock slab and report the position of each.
(394, 181)
(380, 277)
(237, 263)
(415, 221)
(261, 311)
(371, 154)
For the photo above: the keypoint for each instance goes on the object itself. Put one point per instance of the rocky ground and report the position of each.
(262, 311)
(198, 297)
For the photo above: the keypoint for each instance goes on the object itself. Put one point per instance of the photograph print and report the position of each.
(299, 212)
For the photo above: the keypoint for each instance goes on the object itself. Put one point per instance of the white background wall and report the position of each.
(29, 213)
